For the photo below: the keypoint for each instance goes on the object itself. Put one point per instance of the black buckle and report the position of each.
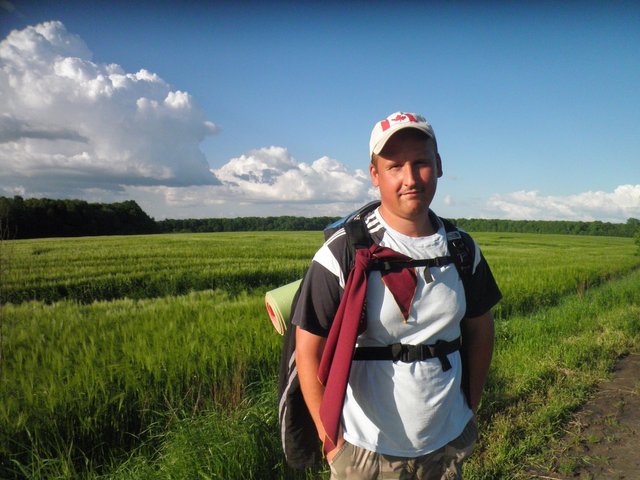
(414, 353)
(401, 352)
(398, 352)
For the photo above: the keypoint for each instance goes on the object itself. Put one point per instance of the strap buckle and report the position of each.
(401, 352)
(414, 353)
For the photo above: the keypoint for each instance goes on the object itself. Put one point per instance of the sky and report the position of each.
(224, 109)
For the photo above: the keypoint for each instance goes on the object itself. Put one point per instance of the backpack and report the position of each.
(299, 437)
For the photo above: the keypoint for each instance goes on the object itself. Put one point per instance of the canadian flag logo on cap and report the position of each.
(399, 118)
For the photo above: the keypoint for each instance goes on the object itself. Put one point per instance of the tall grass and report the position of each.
(241, 443)
(171, 386)
(536, 271)
(529, 267)
(144, 266)
(545, 366)
(93, 377)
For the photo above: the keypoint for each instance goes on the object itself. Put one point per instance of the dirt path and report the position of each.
(603, 439)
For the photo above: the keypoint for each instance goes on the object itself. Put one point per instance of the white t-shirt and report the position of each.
(409, 409)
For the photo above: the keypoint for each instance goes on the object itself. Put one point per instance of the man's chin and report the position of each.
(413, 202)
(415, 210)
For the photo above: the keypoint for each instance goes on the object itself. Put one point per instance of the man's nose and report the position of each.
(409, 174)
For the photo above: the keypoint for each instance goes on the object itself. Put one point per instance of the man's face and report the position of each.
(406, 173)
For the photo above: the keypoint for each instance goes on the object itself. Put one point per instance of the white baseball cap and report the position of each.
(384, 129)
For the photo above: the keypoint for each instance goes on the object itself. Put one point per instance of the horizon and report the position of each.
(627, 221)
(219, 110)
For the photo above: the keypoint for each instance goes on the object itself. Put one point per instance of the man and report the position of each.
(408, 418)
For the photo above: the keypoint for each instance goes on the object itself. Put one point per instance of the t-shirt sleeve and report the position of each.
(318, 300)
(483, 292)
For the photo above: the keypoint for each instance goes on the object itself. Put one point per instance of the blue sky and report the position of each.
(536, 105)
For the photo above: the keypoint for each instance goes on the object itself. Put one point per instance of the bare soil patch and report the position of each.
(603, 439)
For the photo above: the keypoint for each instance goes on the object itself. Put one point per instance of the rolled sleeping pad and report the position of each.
(278, 303)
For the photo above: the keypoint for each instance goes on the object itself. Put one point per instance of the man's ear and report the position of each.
(373, 171)
(438, 165)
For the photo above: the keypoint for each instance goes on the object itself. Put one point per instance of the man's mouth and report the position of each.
(410, 192)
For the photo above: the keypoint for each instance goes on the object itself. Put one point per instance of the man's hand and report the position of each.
(333, 452)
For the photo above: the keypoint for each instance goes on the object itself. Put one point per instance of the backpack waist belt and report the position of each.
(400, 352)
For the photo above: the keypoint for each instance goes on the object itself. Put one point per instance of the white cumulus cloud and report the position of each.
(269, 181)
(69, 124)
(616, 206)
(271, 174)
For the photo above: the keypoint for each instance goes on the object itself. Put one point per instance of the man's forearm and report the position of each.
(309, 350)
(477, 344)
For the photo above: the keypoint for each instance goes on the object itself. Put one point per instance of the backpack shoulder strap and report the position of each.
(357, 233)
(356, 215)
(462, 249)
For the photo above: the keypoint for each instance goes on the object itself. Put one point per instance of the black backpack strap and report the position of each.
(357, 232)
(400, 352)
(461, 246)
(357, 215)
(462, 249)
(394, 265)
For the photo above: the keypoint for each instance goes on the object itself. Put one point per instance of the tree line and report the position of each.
(42, 217)
(245, 224)
(565, 227)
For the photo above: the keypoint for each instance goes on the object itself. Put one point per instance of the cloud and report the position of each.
(616, 206)
(269, 181)
(271, 174)
(70, 123)
(13, 129)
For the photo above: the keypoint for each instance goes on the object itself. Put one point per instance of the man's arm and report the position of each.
(309, 348)
(477, 350)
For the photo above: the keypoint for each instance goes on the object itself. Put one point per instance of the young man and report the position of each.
(406, 417)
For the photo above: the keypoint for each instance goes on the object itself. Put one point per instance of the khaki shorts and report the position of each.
(355, 463)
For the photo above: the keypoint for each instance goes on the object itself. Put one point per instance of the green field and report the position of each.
(153, 357)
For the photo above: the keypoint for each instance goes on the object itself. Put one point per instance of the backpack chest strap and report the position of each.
(400, 352)
(387, 266)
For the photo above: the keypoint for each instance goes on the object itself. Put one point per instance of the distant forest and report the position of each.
(42, 217)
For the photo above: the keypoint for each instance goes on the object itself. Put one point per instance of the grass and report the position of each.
(241, 443)
(129, 364)
(545, 366)
(533, 270)
(536, 271)
(100, 374)
(144, 266)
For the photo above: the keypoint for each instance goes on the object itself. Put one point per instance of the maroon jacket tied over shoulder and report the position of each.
(349, 322)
